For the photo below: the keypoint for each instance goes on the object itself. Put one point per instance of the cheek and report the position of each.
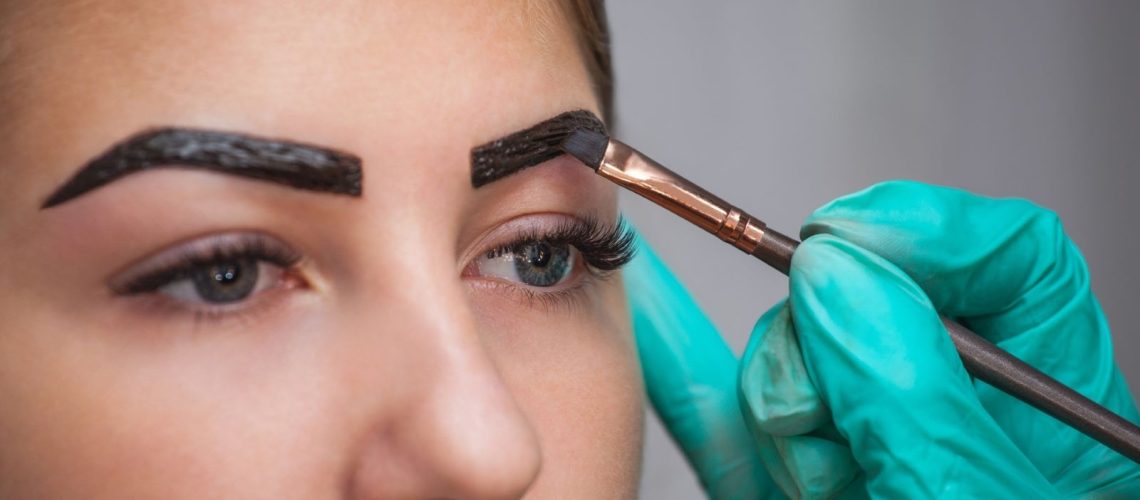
(574, 372)
(82, 416)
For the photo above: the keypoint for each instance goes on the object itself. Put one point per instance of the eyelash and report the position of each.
(603, 247)
(245, 246)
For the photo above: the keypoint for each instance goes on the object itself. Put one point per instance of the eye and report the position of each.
(535, 263)
(215, 274)
(223, 281)
(553, 254)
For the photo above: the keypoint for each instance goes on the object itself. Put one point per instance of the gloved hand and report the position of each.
(691, 377)
(852, 386)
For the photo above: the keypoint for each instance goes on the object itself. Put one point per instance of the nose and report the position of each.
(458, 433)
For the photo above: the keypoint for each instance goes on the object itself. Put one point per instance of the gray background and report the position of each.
(782, 106)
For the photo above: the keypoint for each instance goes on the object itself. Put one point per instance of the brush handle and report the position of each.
(985, 361)
(992, 365)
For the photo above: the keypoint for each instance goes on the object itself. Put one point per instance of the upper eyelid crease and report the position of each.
(298, 165)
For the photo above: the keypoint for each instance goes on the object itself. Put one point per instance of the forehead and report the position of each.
(349, 73)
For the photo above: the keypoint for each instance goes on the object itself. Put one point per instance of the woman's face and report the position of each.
(186, 333)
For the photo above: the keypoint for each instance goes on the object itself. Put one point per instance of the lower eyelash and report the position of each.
(202, 317)
(562, 299)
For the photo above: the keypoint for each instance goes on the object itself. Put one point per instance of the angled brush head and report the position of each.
(588, 146)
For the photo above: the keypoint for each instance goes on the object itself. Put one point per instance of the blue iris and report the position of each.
(542, 264)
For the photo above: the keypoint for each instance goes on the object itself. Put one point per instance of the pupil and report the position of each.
(226, 273)
(538, 254)
(225, 281)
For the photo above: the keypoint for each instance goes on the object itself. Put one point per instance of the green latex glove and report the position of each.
(691, 377)
(852, 387)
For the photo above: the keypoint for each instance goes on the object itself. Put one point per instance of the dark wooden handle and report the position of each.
(1013, 376)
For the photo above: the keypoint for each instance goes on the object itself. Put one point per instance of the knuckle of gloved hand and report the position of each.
(776, 392)
(1062, 264)
(887, 206)
(823, 260)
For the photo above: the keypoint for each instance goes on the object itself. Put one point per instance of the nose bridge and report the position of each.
(457, 433)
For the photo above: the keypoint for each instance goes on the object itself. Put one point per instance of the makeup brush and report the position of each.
(636, 172)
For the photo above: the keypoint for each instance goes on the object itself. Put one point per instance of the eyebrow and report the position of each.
(528, 147)
(303, 166)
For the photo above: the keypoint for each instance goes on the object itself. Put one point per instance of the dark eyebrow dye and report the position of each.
(527, 148)
(293, 164)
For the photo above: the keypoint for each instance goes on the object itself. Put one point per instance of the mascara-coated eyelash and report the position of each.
(184, 262)
(604, 247)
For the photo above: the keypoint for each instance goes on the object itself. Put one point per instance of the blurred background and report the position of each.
(780, 107)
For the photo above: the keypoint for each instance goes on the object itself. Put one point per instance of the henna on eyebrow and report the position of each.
(294, 164)
(528, 147)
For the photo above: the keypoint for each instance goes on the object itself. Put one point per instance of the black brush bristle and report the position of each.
(587, 146)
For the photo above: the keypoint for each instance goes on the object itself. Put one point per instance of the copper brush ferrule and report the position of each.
(636, 172)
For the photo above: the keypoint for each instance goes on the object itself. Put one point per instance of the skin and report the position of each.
(391, 373)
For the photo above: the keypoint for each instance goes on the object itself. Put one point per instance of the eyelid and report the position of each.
(150, 273)
(506, 232)
(511, 231)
